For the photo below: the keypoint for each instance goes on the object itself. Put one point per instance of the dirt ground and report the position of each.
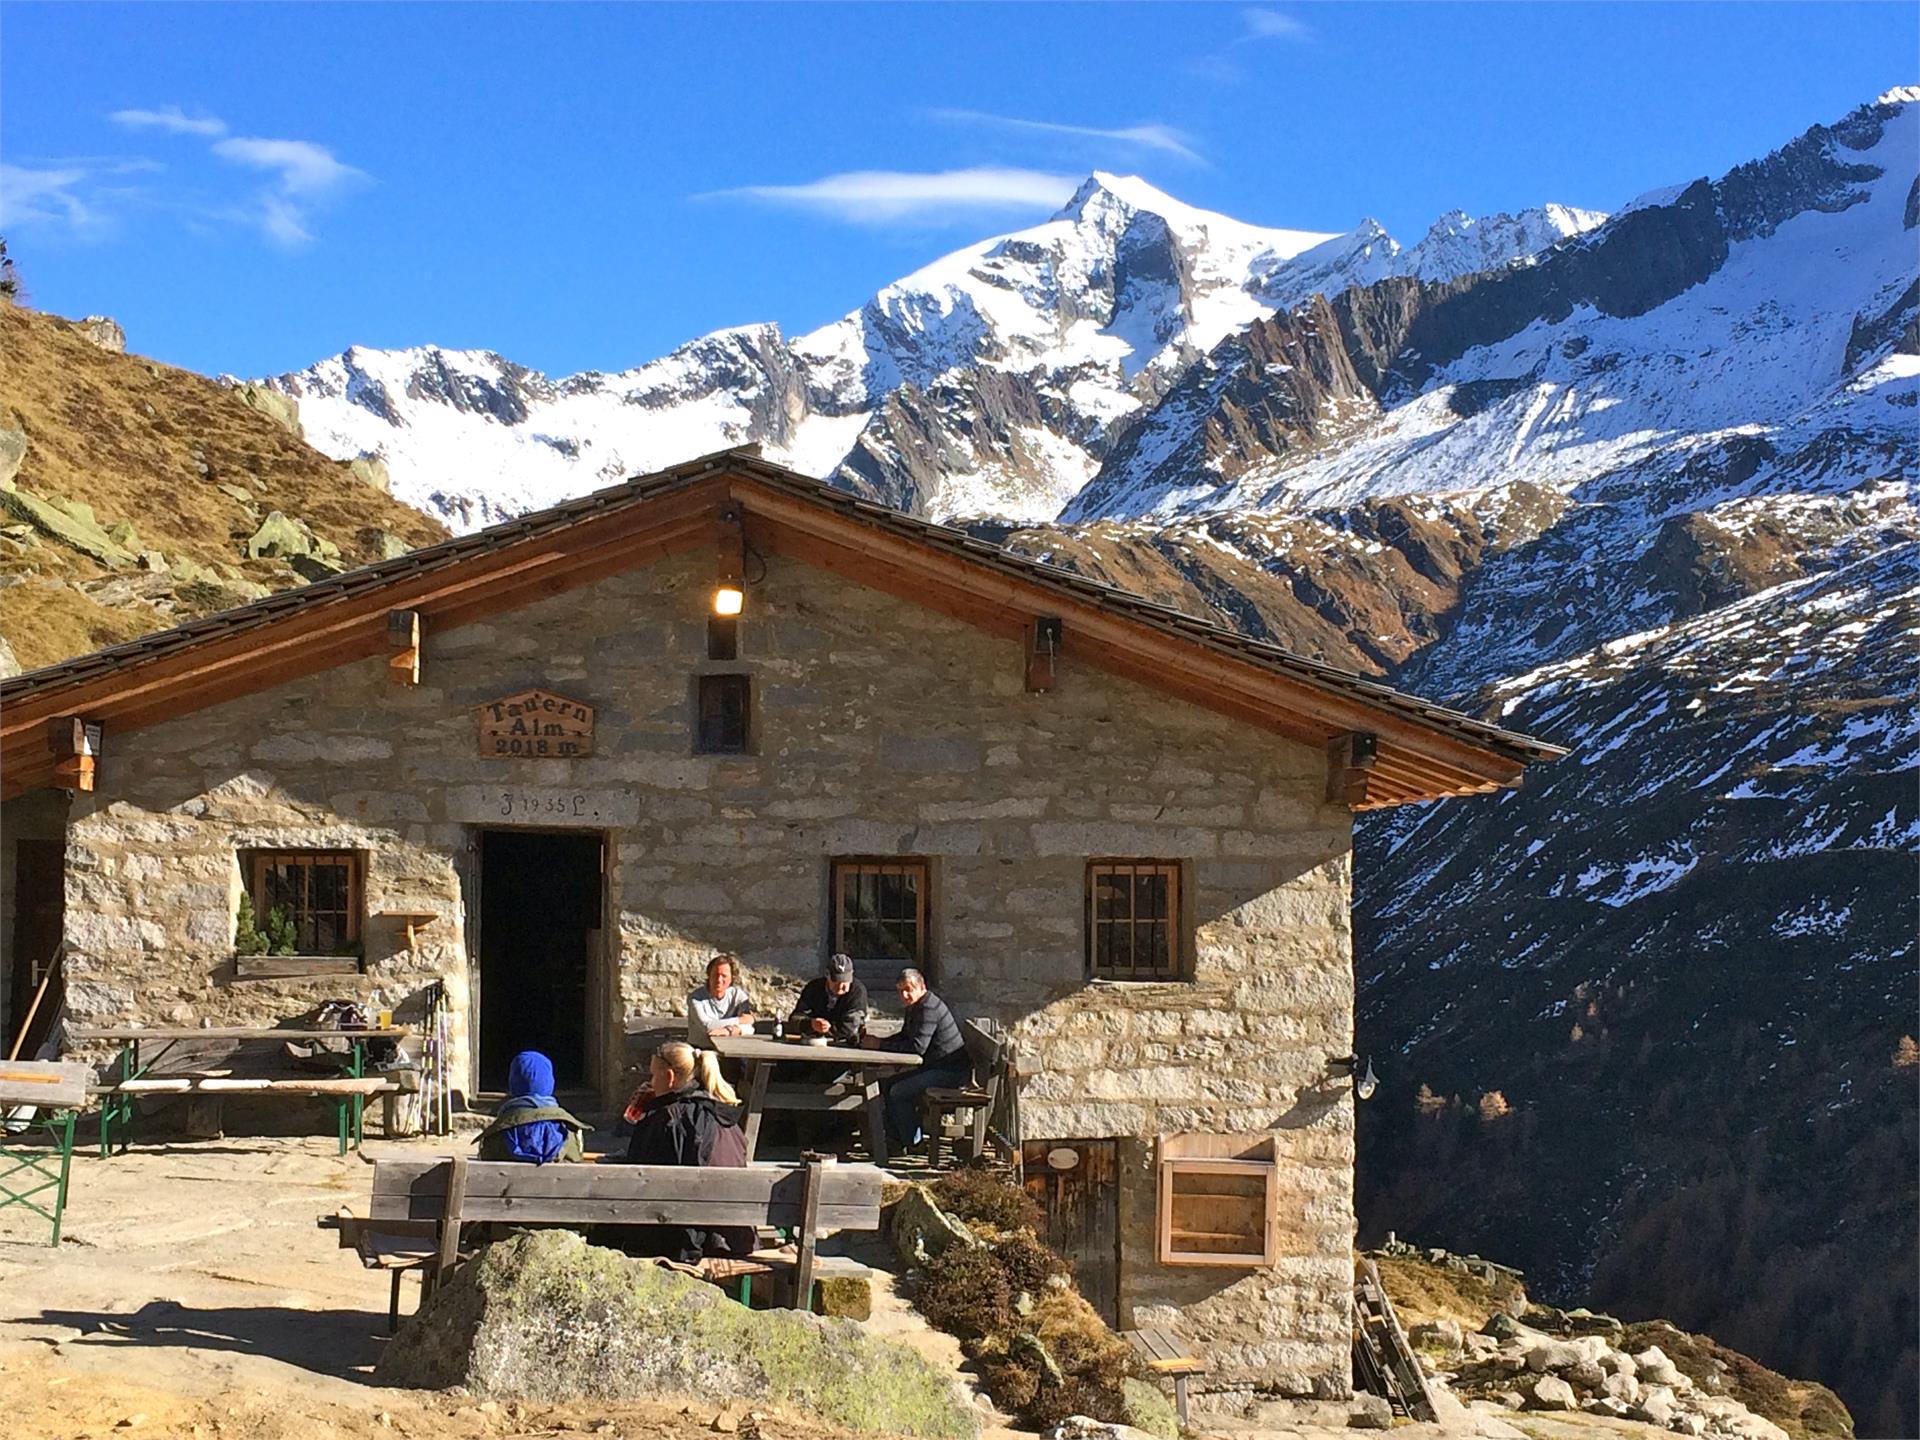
(193, 1295)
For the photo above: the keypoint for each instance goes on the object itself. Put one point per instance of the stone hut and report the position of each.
(534, 766)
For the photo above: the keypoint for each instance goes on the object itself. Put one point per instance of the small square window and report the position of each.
(723, 711)
(1135, 926)
(880, 910)
(311, 895)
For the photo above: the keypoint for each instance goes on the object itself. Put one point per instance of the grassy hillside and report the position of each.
(140, 488)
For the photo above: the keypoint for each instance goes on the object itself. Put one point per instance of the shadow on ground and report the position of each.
(341, 1343)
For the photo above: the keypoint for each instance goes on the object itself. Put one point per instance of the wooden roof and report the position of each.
(1424, 751)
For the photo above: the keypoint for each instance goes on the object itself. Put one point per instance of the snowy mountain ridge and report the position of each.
(1014, 361)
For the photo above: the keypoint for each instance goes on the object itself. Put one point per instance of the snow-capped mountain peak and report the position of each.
(992, 379)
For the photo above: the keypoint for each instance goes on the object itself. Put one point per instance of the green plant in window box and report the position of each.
(247, 939)
(282, 938)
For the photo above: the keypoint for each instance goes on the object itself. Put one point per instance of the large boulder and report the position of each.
(1653, 1367)
(280, 536)
(1084, 1427)
(1550, 1392)
(104, 332)
(920, 1229)
(13, 449)
(283, 410)
(1145, 1406)
(371, 470)
(548, 1317)
(70, 523)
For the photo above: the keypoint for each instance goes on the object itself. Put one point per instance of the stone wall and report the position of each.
(879, 729)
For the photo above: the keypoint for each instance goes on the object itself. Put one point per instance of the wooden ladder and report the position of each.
(1383, 1362)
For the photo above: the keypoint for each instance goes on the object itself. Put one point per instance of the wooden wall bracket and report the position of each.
(1350, 760)
(75, 745)
(403, 638)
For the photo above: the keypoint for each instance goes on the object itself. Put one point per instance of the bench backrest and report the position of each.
(415, 1188)
(987, 1050)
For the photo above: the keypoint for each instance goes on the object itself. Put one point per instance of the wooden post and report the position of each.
(74, 744)
(1043, 649)
(449, 1255)
(1350, 760)
(809, 1230)
(758, 1073)
(403, 638)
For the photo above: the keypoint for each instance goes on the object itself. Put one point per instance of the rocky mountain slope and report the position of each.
(135, 496)
(993, 380)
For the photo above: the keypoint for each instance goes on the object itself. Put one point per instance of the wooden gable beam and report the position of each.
(1167, 662)
(1350, 767)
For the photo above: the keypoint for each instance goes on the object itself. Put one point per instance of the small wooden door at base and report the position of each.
(1076, 1184)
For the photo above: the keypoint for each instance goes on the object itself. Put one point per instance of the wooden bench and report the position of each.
(429, 1197)
(988, 1051)
(1163, 1352)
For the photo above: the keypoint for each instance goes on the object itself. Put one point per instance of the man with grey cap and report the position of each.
(833, 1005)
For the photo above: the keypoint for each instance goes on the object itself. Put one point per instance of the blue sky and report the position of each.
(250, 188)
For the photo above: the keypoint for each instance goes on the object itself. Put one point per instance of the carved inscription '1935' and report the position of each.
(535, 725)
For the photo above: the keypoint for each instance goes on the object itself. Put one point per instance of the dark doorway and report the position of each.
(1076, 1183)
(540, 915)
(39, 918)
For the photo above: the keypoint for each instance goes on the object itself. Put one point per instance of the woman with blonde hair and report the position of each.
(689, 1121)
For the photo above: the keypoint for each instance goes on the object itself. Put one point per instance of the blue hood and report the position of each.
(530, 1079)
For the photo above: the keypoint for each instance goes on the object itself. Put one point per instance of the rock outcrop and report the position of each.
(548, 1317)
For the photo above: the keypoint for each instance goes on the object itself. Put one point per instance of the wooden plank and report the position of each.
(50, 1084)
(452, 1208)
(809, 1235)
(233, 1032)
(761, 1047)
(293, 967)
(403, 638)
(425, 1178)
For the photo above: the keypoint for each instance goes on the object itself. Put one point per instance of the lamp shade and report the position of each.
(728, 600)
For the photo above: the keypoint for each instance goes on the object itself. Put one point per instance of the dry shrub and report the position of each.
(1028, 1264)
(966, 1293)
(980, 1197)
(1091, 1357)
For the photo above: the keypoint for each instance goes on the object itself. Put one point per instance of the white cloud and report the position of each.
(1148, 136)
(304, 168)
(1265, 24)
(170, 118)
(879, 197)
(29, 195)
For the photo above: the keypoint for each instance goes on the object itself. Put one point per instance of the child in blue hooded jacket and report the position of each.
(530, 1125)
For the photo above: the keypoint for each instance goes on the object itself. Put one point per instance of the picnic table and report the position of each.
(858, 1089)
(133, 1073)
(55, 1091)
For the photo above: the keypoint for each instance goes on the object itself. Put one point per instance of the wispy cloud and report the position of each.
(301, 176)
(1146, 136)
(172, 119)
(30, 195)
(304, 168)
(1265, 24)
(881, 197)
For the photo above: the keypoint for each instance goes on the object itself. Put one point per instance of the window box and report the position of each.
(295, 967)
(1218, 1200)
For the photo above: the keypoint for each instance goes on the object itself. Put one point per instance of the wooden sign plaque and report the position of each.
(535, 725)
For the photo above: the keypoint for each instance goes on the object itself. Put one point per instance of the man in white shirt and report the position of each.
(719, 1007)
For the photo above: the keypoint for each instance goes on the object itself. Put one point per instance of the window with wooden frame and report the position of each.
(880, 910)
(312, 897)
(1136, 929)
(723, 711)
(1218, 1200)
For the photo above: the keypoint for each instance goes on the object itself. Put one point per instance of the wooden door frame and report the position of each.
(604, 1060)
(1038, 1166)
